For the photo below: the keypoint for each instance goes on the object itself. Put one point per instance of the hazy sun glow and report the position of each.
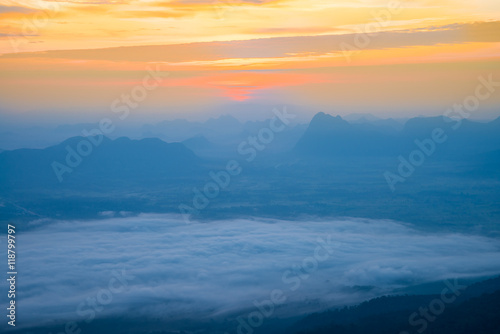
(64, 54)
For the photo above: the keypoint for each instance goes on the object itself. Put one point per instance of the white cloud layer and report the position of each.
(211, 268)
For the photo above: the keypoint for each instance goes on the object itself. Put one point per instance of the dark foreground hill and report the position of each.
(473, 309)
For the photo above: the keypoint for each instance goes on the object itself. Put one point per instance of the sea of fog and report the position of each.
(157, 265)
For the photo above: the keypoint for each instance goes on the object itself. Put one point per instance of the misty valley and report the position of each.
(272, 226)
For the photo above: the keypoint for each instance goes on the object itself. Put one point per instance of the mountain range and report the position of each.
(311, 169)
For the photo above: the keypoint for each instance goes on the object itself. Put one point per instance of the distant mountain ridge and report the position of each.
(117, 159)
(332, 137)
(181, 129)
(329, 136)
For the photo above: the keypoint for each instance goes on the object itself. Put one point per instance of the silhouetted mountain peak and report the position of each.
(73, 141)
(322, 122)
(99, 158)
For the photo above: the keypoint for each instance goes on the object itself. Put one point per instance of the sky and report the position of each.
(65, 59)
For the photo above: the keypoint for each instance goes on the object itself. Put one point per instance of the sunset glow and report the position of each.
(222, 51)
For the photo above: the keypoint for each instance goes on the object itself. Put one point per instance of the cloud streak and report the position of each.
(15, 9)
(262, 49)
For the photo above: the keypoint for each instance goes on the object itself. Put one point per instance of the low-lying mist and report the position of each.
(160, 267)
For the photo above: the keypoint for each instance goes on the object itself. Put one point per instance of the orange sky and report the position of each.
(384, 55)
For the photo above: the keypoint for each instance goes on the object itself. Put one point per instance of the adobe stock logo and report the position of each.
(95, 136)
(363, 37)
(428, 146)
(436, 307)
(249, 149)
(292, 280)
(88, 309)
